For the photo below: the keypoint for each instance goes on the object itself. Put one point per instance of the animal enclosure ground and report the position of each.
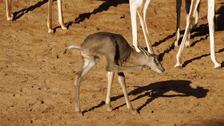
(36, 86)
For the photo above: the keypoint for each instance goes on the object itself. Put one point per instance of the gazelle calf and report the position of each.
(10, 16)
(117, 52)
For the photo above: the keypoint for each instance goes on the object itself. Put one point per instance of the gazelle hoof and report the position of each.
(50, 31)
(217, 66)
(187, 44)
(178, 65)
(176, 43)
(137, 49)
(9, 18)
(64, 28)
(79, 112)
(133, 111)
(109, 108)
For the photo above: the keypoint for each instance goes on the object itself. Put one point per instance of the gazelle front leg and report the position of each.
(211, 13)
(121, 80)
(133, 12)
(9, 14)
(110, 76)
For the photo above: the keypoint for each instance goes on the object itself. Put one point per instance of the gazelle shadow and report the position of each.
(220, 18)
(158, 89)
(103, 7)
(18, 14)
(199, 57)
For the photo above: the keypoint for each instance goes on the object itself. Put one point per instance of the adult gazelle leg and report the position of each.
(8, 8)
(178, 12)
(121, 80)
(187, 31)
(133, 12)
(60, 15)
(110, 76)
(211, 13)
(195, 15)
(50, 16)
(196, 12)
(188, 4)
(142, 11)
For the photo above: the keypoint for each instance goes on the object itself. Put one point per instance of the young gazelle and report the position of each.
(211, 14)
(9, 14)
(117, 52)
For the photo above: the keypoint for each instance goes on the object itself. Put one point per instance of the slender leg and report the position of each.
(89, 63)
(142, 17)
(110, 76)
(196, 12)
(188, 5)
(187, 30)
(133, 11)
(121, 80)
(178, 12)
(148, 44)
(211, 12)
(193, 24)
(60, 15)
(145, 9)
(195, 15)
(50, 16)
(188, 39)
(9, 14)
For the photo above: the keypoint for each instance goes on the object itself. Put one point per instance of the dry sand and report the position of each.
(36, 86)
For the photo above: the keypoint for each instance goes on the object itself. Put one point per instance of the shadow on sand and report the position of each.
(18, 14)
(159, 89)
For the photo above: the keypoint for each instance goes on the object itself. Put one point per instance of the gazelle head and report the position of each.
(151, 61)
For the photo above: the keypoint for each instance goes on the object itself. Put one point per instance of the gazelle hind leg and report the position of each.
(193, 24)
(89, 63)
(8, 8)
(110, 76)
(60, 15)
(144, 26)
(121, 80)
(196, 13)
(211, 12)
(187, 31)
(188, 40)
(178, 12)
(146, 36)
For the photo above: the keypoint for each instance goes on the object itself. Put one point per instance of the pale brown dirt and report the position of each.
(36, 86)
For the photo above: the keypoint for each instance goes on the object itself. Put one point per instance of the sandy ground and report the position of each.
(36, 86)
